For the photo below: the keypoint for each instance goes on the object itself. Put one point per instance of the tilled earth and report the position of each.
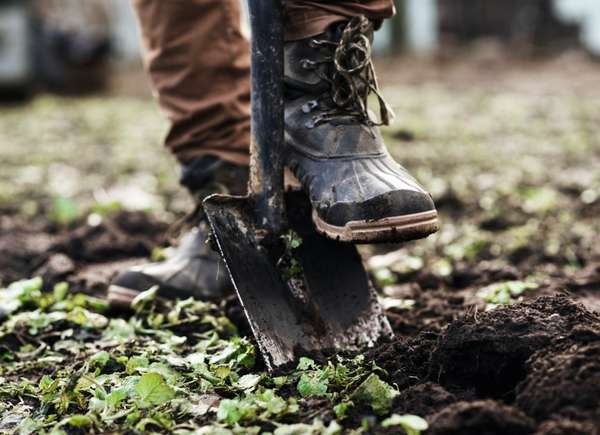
(496, 317)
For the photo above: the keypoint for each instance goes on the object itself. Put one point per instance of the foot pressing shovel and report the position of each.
(303, 294)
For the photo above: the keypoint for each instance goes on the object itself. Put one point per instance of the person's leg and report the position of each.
(333, 143)
(198, 61)
(199, 64)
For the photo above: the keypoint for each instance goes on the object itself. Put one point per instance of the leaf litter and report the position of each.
(172, 367)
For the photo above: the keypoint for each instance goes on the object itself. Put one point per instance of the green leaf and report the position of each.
(64, 210)
(116, 396)
(375, 393)
(384, 277)
(506, 292)
(78, 420)
(229, 411)
(142, 300)
(412, 424)
(119, 329)
(313, 384)
(86, 318)
(153, 390)
(306, 364)
(136, 362)
(248, 382)
(18, 293)
(28, 426)
(341, 410)
(239, 350)
(317, 428)
(100, 358)
(279, 381)
(60, 291)
(271, 402)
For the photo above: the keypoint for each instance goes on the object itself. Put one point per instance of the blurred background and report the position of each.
(70, 46)
(498, 109)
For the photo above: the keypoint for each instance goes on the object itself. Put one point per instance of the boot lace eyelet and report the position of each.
(310, 124)
(310, 106)
(307, 64)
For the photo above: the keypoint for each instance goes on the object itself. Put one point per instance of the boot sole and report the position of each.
(120, 297)
(388, 230)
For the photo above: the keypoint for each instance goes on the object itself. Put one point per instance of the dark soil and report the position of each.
(84, 254)
(424, 399)
(532, 367)
(565, 383)
(487, 352)
(485, 417)
(541, 357)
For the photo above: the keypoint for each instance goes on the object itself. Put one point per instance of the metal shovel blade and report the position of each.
(327, 306)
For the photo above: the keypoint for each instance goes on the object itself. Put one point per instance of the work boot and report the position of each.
(194, 269)
(334, 146)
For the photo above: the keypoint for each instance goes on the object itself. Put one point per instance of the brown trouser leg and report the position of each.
(199, 64)
(306, 18)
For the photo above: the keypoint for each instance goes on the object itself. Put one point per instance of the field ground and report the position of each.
(496, 316)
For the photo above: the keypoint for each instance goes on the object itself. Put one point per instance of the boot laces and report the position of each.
(195, 217)
(352, 78)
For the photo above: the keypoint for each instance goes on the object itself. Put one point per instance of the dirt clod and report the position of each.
(485, 417)
(128, 234)
(565, 383)
(405, 360)
(57, 267)
(566, 427)
(487, 351)
(423, 399)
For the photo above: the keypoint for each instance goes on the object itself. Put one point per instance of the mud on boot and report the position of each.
(334, 146)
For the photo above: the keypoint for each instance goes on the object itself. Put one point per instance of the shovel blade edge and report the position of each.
(328, 306)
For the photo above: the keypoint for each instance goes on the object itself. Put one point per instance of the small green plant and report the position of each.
(505, 293)
(64, 210)
(171, 365)
(384, 277)
(288, 264)
(412, 424)
(375, 393)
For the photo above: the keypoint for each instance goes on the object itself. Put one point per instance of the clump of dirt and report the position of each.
(563, 383)
(484, 417)
(127, 234)
(487, 352)
(423, 399)
(79, 252)
(23, 249)
(406, 361)
(432, 311)
(566, 427)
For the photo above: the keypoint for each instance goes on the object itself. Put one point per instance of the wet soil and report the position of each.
(532, 367)
(83, 254)
(528, 368)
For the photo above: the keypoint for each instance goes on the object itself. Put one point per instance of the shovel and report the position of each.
(303, 294)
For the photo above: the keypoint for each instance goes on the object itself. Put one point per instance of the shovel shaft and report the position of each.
(266, 175)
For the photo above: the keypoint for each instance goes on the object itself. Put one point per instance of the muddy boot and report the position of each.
(334, 147)
(195, 269)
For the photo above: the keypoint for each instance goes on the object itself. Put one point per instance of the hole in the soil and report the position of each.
(489, 375)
